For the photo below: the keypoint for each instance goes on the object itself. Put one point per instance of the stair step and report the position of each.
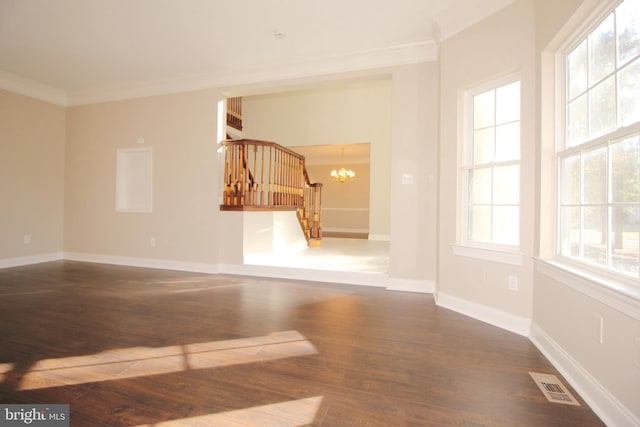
(314, 243)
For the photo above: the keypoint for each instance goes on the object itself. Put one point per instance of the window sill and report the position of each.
(502, 256)
(622, 295)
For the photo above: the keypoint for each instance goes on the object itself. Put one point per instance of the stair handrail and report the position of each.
(264, 175)
(234, 113)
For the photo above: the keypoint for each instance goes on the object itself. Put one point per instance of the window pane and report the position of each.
(602, 50)
(508, 142)
(570, 180)
(570, 231)
(629, 93)
(480, 185)
(594, 235)
(599, 184)
(594, 169)
(578, 70)
(626, 239)
(483, 142)
(506, 225)
(508, 103)
(628, 27)
(506, 185)
(490, 185)
(484, 110)
(577, 123)
(602, 103)
(625, 170)
(480, 224)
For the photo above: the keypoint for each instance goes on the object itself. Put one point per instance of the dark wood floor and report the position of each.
(130, 347)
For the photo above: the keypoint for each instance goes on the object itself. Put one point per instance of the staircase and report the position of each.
(263, 175)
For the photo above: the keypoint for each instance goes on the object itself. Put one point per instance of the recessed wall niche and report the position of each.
(134, 180)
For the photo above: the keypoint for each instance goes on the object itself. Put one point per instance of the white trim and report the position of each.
(346, 209)
(134, 169)
(604, 404)
(380, 237)
(403, 54)
(30, 259)
(511, 322)
(614, 294)
(585, 19)
(31, 88)
(411, 285)
(345, 230)
(341, 277)
(466, 143)
(163, 264)
(488, 254)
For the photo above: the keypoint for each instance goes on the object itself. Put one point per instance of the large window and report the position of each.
(492, 165)
(599, 157)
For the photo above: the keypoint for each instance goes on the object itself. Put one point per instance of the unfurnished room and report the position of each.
(296, 213)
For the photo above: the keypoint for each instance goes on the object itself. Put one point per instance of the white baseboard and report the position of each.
(607, 407)
(411, 285)
(30, 259)
(380, 237)
(343, 277)
(502, 319)
(163, 264)
(345, 230)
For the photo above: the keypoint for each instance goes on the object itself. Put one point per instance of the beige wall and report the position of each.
(32, 143)
(414, 156)
(565, 306)
(345, 206)
(57, 172)
(500, 45)
(564, 326)
(181, 130)
(342, 113)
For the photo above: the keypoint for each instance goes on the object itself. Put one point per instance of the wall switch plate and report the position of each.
(513, 283)
(26, 239)
(407, 179)
(152, 242)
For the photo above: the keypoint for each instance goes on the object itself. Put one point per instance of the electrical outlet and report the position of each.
(152, 242)
(513, 283)
(26, 239)
(597, 328)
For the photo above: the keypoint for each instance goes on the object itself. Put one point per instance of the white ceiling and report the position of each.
(82, 50)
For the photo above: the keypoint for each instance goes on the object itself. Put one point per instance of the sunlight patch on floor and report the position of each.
(5, 368)
(335, 254)
(293, 413)
(143, 361)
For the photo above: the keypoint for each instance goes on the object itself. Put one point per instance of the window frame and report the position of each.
(504, 253)
(604, 275)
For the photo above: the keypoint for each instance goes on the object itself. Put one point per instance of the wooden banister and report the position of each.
(263, 175)
(234, 113)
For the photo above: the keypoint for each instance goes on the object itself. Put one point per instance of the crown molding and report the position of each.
(405, 54)
(31, 88)
(362, 61)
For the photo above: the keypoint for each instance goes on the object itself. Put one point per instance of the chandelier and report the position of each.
(342, 174)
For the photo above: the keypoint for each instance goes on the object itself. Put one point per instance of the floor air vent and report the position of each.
(553, 389)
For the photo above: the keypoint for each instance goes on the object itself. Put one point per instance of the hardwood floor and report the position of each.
(138, 347)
